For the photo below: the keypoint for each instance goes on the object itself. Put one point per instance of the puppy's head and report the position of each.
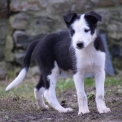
(82, 28)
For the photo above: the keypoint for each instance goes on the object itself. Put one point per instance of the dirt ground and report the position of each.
(15, 109)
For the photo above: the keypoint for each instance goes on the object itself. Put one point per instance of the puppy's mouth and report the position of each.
(79, 48)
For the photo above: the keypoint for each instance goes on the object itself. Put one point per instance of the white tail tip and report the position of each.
(17, 80)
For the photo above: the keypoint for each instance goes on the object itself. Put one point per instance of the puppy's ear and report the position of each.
(69, 18)
(93, 17)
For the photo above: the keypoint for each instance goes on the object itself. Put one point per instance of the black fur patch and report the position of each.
(73, 58)
(51, 48)
(92, 18)
(43, 83)
(69, 18)
(40, 83)
(91, 26)
(98, 44)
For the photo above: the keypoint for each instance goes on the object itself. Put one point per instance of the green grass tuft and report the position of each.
(25, 90)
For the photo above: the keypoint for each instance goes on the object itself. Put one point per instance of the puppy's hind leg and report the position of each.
(38, 93)
(50, 94)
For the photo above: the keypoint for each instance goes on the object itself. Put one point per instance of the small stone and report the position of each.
(19, 58)
(9, 56)
(48, 119)
(33, 71)
(41, 24)
(115, 51)
(19, 21)
(115, 35)
(115, 30)
(23, 40)
(74, 105)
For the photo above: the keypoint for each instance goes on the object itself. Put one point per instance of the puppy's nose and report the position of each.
(80, 45)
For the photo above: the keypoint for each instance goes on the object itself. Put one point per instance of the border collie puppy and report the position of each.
(79, 49)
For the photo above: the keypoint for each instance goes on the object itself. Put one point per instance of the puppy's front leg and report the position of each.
(82, 99)
(100, 101)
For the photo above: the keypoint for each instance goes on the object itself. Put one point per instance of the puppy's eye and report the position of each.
(86, 30)
(72, 31)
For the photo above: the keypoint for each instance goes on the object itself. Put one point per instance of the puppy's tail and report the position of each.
(26, 64)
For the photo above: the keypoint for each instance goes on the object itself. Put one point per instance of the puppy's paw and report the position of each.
(69, 110)
(41, 105)
(66, 110)
(104, 110)
(83, 111)
(45, 108)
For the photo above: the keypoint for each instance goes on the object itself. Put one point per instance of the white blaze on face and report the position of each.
(80, 35)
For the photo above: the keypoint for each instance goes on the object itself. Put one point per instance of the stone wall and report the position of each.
(4, 30)
(32, 19)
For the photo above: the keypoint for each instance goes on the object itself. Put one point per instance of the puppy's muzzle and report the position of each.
(80, 45)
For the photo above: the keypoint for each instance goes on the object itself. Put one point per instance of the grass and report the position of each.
(26, 88)
(112, 81)
(68, 83)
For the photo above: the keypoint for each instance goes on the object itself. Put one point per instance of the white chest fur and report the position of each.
(89, 60)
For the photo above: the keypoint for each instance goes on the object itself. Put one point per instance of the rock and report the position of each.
(22, 5)
(103, 3)
(22, 39)
(40, 24)
(117, 62)
(70, 5)
(19, 58)
(115, 35)
(33, 71)
(4, 29)
(109, 16)
(2, 70)
(115, 51)
(8, 55)
(3, 9)
(121, 1)
(115, 30)
(19, 21)
(48, 2)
